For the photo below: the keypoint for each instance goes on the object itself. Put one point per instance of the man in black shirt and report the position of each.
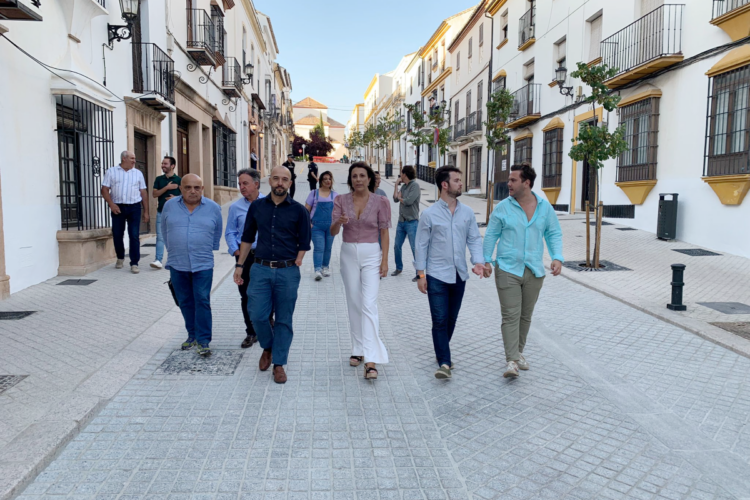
(289, 163)
(283, 232)
(312, 175)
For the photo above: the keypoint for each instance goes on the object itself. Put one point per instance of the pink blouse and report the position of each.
(375, 216)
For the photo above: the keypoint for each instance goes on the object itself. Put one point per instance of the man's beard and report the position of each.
(454, 194)
(280, 191)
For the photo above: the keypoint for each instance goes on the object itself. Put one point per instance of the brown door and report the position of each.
(190, 13)
(140, 148)
(137, 50)
(589, 185)
(475, 171)
(183, 146)
(502, 171)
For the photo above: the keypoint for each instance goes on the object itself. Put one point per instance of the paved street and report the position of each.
(617, 404)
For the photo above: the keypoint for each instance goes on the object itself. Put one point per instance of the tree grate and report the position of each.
(727, 307)
(8, 381)
(148, 245)
(604, 223)
(13, 315)
(626, 229)
(580, 266)
(77, 282)
(189, 363)
(696, 252)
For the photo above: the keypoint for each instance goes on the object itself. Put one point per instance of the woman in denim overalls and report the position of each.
(320, 204)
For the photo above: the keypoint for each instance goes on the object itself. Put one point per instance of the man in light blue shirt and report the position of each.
(249, 183)
(445, 230)
(521, 223)
(192, 231)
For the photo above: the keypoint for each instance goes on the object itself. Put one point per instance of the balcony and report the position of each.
(153, 74)
(15, 10)
(201, 41)
(646, 46)
(733, 16)
(526, 105)
(526, 25)
(231, 78)
(459, 130)
(474, 124)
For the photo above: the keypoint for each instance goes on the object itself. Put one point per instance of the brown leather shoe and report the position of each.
(279, 375)
(265, 360)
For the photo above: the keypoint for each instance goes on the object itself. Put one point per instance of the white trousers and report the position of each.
(360, 270)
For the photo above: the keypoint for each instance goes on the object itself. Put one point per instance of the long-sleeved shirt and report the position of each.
(408, 209)
(521, 240)
(191, 237)
(236, 223)
(442, 238)
(282, 230)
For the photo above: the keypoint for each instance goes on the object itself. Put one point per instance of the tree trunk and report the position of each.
(597, 219)
(588, 235)
(599, 210)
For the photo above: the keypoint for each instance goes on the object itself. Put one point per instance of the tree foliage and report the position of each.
(416, 136)
(319, 144)
(297, 144)
(499, 106)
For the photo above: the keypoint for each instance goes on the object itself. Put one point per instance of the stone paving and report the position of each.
(617, 404)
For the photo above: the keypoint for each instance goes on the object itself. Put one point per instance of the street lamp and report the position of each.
(248, 74)
(129, 10)
(561, 74)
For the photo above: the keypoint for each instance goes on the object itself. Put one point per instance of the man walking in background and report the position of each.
(192, 231)
(166, 186)
(249, 182)
(521, 223)
(377, 185)
(408, 214)
(124, 190)
(289, 163)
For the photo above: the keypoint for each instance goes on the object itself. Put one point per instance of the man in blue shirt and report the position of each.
(521, 223)
(249, 182)
(192, 231)
(445, 230)
(282, 229)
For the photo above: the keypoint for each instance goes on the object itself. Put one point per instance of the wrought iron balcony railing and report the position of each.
(471, 122)
(526, 26)
(722, 7)
(201, 42)
(526, 105)
(654, 41)
(153, 71)
(459, 130)
(231, 78)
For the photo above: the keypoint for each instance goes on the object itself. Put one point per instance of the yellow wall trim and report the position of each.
(552, 194)
(527, 44)
(731, 189)
(641, 96)
(637, 191)
(553, 124)
(369, 87)
(495, 5)
(431, 164)
(552, 84)
(434, 39)
(734, 59)
(499, 74)
(735, 23)
(523, 136)
(502, 44)
(573, 178)
(437, 81)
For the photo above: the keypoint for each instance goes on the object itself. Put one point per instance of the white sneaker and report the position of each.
(512, 370)
(318, 276)
(134, 269)
(522, 363)
(156, 264)
(326, 272)
(119, 263)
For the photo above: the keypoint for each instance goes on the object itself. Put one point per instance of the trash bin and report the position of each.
(666, 226)
(388, 170)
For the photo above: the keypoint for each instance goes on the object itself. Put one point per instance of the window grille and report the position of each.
(522, 151)
(552, 158)
(641, 121)
(225, 162)
(728, 130)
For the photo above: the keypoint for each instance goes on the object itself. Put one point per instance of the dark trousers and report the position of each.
(292, 189)
(245, 301)
(313, 185)
(445, 303)
(130, 215)
(193, 292)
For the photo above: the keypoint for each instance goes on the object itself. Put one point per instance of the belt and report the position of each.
(275, 264)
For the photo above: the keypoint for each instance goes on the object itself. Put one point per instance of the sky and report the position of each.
(333, 48)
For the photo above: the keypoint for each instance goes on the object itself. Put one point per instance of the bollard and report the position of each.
(678, 275)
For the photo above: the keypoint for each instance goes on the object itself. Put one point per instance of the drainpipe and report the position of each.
(489, 93)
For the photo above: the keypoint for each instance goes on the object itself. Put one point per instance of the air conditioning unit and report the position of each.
(529, 33)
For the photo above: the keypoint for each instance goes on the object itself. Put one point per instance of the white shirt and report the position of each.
(124, 186)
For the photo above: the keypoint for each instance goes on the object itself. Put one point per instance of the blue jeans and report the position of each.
(159, 239)
(404, 229)
(273, 289)
(322, 245)
(445, 302)
(193, 292)
(130, 215)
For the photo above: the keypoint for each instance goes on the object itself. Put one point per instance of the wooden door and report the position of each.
(502, 171)
(183, 148)
(475, 175)
(589, 186)
(140, 148)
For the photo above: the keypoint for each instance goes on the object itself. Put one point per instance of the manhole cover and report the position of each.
(77, 282)
(8, 315)
(695, 252)
(727, 307)
(626, 229)
(189, 363)
(741, 329)
(8, 381)
(148, 245)
(580, 265)
(604, 223)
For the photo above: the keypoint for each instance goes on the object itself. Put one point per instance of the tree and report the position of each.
(416, 136)
(444, 134)
(355, 140)
(297, 144)
(595, 144)
(369, 137)
(499, 106)
(319, 144)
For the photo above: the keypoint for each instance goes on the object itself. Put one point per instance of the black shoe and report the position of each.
(396, 272)
(249, 341)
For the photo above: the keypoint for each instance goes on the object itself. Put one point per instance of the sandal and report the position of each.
(356, 360)
(371, 373)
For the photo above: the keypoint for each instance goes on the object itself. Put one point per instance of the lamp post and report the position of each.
(248, 74)
(129, 12)
(561, 74)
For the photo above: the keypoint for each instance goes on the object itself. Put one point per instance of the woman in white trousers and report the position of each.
(364, 216)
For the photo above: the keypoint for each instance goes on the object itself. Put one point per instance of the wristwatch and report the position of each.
(240, 266)
(420, 275)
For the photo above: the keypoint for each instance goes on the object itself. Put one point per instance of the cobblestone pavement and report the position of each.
(617, 404)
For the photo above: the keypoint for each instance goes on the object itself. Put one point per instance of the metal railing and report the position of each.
(526, 26)
(450, 132)
(722, 7)
(154, 73)
(426, 173)
(201, 31)
(526, 101)
(459, 130)
(471, 122)
(657, 34)
(230, 74)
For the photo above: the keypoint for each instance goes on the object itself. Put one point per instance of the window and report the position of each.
(504, 25)
(411, 85)
(244, 50)
(728, 134)
(468, 103)
(442, 55)
(641, 121)
(552, 158)
(85, 148)
(458, 61)
(470, 42)
(435, 59)
(267, 100)
(481, 34)
(225, 163)
(455, 111)
(528, 72)
(522, 151)
(595, 38)
(217, 17)
(559, 55)
(475, 168)
(498, 84)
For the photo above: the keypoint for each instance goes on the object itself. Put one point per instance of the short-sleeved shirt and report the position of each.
(124, 185)
(366, 229)
(282, 230)
(160, 183)
(380, 192)
(314, 198)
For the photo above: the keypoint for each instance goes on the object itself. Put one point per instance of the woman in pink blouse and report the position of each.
(364, 215)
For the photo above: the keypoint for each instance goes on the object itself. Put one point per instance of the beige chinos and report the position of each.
(518, 297)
